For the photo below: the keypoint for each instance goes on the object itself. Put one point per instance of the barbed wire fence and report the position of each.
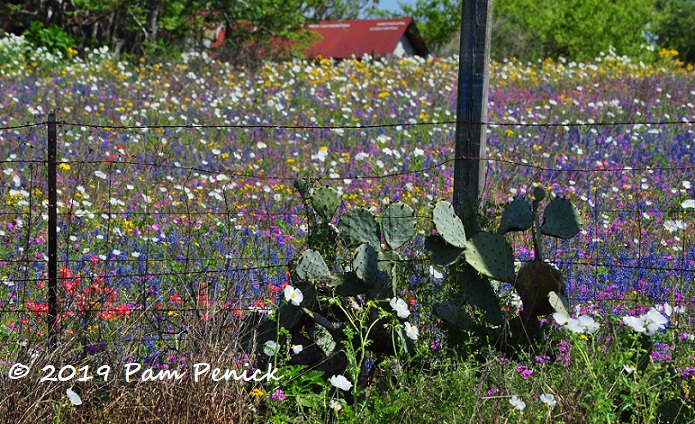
(106, 221)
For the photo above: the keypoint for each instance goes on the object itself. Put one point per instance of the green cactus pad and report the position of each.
(534, 283)
(561, 219)
(365, 263)
(443, 254)
(491, 255)
(517, 216)
(481, 295)
(325, 201)
(454, 316)
(304, 188)
(559, 303)
(388, 259)
(360, 226)
(348, 284)
(538, 194)
(674, 411)
(322, 338)
(448, 224)
(311, 266)
(398, 224)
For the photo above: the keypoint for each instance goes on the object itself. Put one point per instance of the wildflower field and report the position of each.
(181, 222)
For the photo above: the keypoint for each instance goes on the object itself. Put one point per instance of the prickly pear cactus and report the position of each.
(454, 316)
(366, 264)
(442, 253)
(311, 266)
(561, 219)
(491, 255)
(539, 284)
(359, 225)
(481, 295)
(398, 223)
(325, 201)
(534, 283)
(369, 274)
(517, 216)
(449, 225)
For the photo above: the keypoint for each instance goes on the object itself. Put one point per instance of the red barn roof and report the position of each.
(374, 37)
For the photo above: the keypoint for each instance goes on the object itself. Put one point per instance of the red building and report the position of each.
(374, 37)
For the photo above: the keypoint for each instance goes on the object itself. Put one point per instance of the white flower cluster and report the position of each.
(648, 323)
(582, 324)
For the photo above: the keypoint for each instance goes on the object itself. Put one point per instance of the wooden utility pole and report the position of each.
(471, 111)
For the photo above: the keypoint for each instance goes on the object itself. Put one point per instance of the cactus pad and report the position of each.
(491, 255)
(348, 284)
(517, 216)
(561, 219)
(443, 254)
(360, 226)
(312, 267)
(325, 201)
(481, 295)
(448, 224)
(538, 194)
(534, 283)
(304, 188)
(365, 263)
(398, 224)
(454, 316)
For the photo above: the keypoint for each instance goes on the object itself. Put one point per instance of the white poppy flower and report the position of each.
(341, 382)
(517, 403)
(411, 331)
(400, 307)
(335, 405)
(292, 295)
(548, 399)
(270, 348)
(74, 397)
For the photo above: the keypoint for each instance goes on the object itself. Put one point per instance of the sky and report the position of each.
(393, 5)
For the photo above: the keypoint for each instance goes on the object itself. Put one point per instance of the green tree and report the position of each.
(674, 27)
(342, 9)
(261, 29)
(438, 21)
(576, 29)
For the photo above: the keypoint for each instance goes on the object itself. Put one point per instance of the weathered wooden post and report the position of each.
(471, 111)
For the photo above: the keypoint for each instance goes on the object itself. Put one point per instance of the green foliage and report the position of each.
(673, 27)
(54, 39)
(576, 29)
(341, 9)
(438, 21)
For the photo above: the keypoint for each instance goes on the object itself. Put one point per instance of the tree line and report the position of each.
(262, 29)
